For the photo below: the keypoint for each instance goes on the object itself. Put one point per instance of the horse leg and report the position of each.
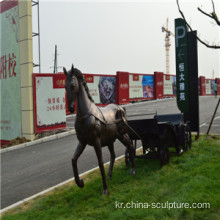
(112, 160)
(126, 141)
(80, 148)
(98, 151)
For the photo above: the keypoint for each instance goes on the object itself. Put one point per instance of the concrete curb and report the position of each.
(41, 140)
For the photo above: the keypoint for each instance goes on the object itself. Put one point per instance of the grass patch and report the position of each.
(193, 177)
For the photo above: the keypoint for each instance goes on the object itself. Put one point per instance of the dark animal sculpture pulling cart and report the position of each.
(95, 126)
(99, 127)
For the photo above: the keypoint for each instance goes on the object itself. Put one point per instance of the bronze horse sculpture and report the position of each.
(97, 127)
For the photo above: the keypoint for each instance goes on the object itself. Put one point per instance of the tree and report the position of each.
(211, 15)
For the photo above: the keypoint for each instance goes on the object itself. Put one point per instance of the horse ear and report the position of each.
(64, 70)
(72, 69)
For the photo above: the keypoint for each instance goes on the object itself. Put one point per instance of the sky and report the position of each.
(103, 37)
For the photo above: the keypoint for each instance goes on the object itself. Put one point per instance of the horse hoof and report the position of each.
(132, 171)
(105, 192)
(80, 183)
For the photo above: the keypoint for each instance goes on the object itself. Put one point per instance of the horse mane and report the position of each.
(81, 78)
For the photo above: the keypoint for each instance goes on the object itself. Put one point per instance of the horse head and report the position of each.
(71, 86)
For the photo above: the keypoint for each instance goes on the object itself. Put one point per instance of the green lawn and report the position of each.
(191, 178)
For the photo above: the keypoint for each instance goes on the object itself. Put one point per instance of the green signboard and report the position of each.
(10, 103)
(182, 84)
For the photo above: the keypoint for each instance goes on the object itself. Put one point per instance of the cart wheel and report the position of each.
(187, 138)
(164, 155)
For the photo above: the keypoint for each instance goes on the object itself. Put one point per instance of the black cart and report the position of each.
(158, 133)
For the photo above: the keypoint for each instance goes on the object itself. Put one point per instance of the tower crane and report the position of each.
(167, 45)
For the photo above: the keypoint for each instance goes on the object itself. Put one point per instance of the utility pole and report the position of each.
(55, 60)
(55, 66)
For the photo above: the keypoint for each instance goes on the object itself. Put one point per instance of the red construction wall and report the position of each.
(102, 88)
(202, 85)
(119, 87)
(217, 80)
(121, 84)
(158, 85)
(122, 88)
(49, 102)
(208, 86)
(169, 85)
(141, 86)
